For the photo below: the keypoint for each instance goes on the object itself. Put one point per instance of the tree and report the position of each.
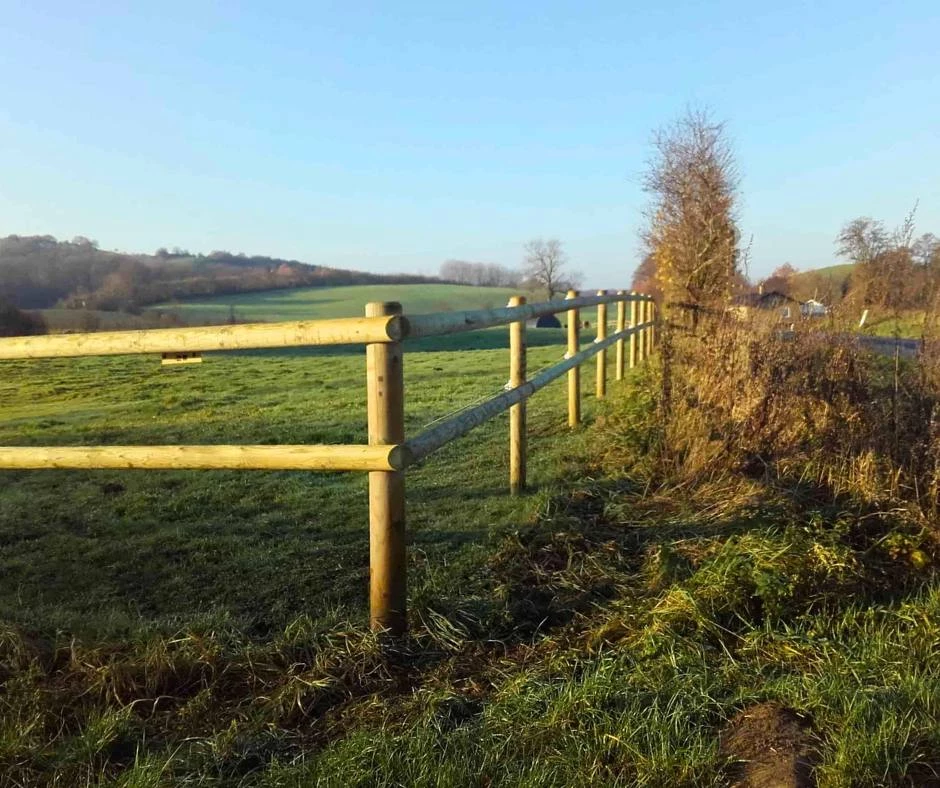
(781, 280)
(886, 273)
(15, 322)
(644, 277)
(926, 250)
(862, 240)
(544, 266)
(691, 228)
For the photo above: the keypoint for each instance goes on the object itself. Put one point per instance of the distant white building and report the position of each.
(813, 308)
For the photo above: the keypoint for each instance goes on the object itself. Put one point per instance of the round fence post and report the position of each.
(574, 375)
(621, 325)
(653, 318)
(517, 413)
(602, 355)
(634, 343)
(387, 562)
(647, 332)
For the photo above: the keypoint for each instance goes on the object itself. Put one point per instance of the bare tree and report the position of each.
(886, 274)
(862, 240)
(479, 274)
(691, 223)
(544, 266)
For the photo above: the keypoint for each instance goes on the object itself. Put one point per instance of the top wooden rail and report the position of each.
(440, 323)
(299, 333)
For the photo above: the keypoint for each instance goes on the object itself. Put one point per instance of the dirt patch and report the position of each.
(772, 747)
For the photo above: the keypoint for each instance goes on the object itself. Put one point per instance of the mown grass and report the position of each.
(912, 324)
(600, 631)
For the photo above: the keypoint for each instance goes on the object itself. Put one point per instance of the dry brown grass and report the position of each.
(804, 407)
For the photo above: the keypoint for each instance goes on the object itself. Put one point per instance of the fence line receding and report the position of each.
(384, 330)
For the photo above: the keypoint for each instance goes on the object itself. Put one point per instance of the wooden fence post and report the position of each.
(602, 355)
(653, 327)
(648, 333)
(387, 561)
(517, 427)
(621, 325)
(634, 345)
(574, 375)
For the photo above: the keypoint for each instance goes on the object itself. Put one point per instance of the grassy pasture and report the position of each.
(95, 552)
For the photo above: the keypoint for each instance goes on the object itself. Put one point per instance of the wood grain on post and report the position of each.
(602, 356)
(574, 374)
(634, 344)
(621, 325)
(385, 390)
(517, 413)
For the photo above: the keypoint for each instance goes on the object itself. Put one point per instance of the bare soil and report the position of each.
(772, 747)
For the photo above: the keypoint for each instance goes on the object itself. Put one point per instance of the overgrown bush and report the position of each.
(806, 407)
(16, 322)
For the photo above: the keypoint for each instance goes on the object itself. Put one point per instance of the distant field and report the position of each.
(325, 302)
(824, 283)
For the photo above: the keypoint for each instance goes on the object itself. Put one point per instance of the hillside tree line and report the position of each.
(39, 272)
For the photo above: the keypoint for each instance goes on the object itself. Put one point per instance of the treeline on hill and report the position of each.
(38, 272)
(464, 272)
(888, 270)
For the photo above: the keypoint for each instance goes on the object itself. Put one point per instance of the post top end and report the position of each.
(382, 308)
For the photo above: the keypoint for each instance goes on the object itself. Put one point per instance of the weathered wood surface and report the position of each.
(385, 390)
(517, 412)
(298, 333)
(621, 325)
(221, 457)
(601, 381)
(574, 373)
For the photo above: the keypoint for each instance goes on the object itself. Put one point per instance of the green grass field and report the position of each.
(308, 303)
(208, 628)
(261, 547)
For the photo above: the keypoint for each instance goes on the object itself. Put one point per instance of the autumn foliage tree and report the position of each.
(691, 230)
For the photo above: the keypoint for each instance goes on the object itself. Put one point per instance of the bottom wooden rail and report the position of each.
(284, 458)
(429, 442)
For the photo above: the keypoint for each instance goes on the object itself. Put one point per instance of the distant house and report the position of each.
(548, 321)
(771, 300)
(775, 300)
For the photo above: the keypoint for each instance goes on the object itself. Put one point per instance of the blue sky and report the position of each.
(393, 136)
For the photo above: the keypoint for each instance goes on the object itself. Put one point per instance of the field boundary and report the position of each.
(383, 330)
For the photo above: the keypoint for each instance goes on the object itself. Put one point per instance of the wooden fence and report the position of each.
(383, 331)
